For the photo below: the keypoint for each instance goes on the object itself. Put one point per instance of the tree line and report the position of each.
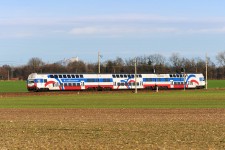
(154, 63)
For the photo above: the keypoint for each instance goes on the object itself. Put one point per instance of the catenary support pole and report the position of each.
(206, 72)
(135, 76)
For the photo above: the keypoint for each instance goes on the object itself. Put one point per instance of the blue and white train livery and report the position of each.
(44, 82)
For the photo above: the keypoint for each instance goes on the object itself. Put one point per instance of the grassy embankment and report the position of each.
(166, 99)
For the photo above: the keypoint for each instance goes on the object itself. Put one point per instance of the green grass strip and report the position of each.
(168, 99)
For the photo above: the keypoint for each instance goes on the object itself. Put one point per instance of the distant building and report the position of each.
(65, 61)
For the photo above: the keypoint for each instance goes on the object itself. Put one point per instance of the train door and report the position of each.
(171, 84)
(82, 85)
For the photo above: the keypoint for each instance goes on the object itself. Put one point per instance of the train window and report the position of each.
(78, 84)
(64, 76)
(74, 84)
(121, 76)
(92, 80)
(129, 75)
(45, 80)
(118, 84)
(68, 76)
(69, 84)
(122, 84)
(30, 81)
(55, 76)
(132, 76)
(117, 76)
(140, 76)
(60, 76)
(81, 76)
(171, 75)
(125, 76)
(126, 84)
(73, 76)
(114, 76)
(106, 80)
(51, 76)
(77, 76)
(65, 84)
(174, 75)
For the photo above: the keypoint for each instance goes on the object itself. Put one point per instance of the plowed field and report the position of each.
(112, 128)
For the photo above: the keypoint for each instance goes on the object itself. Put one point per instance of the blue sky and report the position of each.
(53, 30)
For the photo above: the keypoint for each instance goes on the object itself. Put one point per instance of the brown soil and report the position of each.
(112, 129)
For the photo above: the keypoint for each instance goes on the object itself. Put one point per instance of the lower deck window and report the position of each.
(71, 84)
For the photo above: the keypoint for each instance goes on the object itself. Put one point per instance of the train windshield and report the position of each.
(30, 81)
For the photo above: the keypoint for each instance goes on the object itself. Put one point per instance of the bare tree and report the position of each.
(77, 67)
(35, 63)
(157, 59)
(221, 58)
(119, 65)
(54, 68)
(176, 62)
(110, 66)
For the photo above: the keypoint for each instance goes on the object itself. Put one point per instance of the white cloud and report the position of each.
(218, 30)
(118, 31)
(120, 18)
(110, 25)
(16, 34)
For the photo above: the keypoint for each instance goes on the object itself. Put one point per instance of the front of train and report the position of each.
(195, 81)
(36, 82)
(31, 85)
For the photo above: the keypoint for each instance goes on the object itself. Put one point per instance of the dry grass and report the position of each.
(112, 128)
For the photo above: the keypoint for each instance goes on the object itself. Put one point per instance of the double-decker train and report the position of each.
(61, 82)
